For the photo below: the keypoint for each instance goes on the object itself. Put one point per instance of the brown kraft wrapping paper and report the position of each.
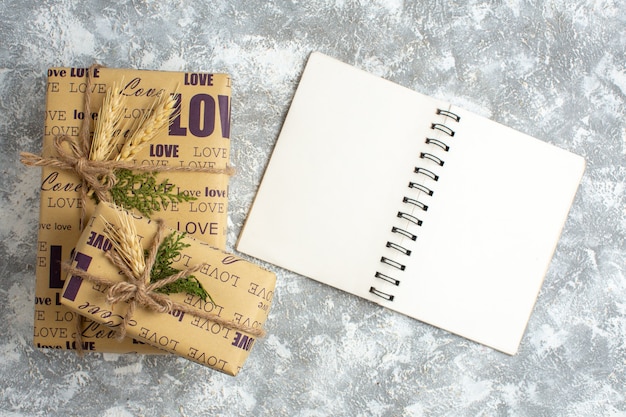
(241, 292)
(198, 137)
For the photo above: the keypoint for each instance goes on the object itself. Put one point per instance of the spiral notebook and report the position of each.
(412, 203)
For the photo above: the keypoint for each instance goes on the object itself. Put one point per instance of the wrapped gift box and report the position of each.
(240, 293)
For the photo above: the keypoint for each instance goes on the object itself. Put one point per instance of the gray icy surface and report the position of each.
(555, 70)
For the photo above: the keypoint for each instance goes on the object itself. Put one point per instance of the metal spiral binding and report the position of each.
(449, 114)
(445, 129)
(381, 294)
(438, 147)
(434, 158)
(438, 143)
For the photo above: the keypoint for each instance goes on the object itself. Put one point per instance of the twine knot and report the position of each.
(124, 291)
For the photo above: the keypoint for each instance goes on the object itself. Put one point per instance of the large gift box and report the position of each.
(188, 186)
(114, 279)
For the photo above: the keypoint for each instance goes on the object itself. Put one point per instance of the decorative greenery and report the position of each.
(169, 250)
(141, 191)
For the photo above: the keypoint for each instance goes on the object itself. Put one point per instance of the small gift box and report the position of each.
(177, 169)
(125, 265)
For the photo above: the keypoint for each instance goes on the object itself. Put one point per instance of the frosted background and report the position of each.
(555, 70)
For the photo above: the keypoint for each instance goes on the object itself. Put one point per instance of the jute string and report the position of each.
(137, 291)
(97, 176)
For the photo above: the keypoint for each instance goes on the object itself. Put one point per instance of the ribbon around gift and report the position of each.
(137, 291)
(99, 176)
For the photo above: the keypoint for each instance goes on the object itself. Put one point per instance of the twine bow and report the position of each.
(136, 291)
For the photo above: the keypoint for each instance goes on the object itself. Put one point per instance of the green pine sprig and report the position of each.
(169, 250)
(141, 191)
